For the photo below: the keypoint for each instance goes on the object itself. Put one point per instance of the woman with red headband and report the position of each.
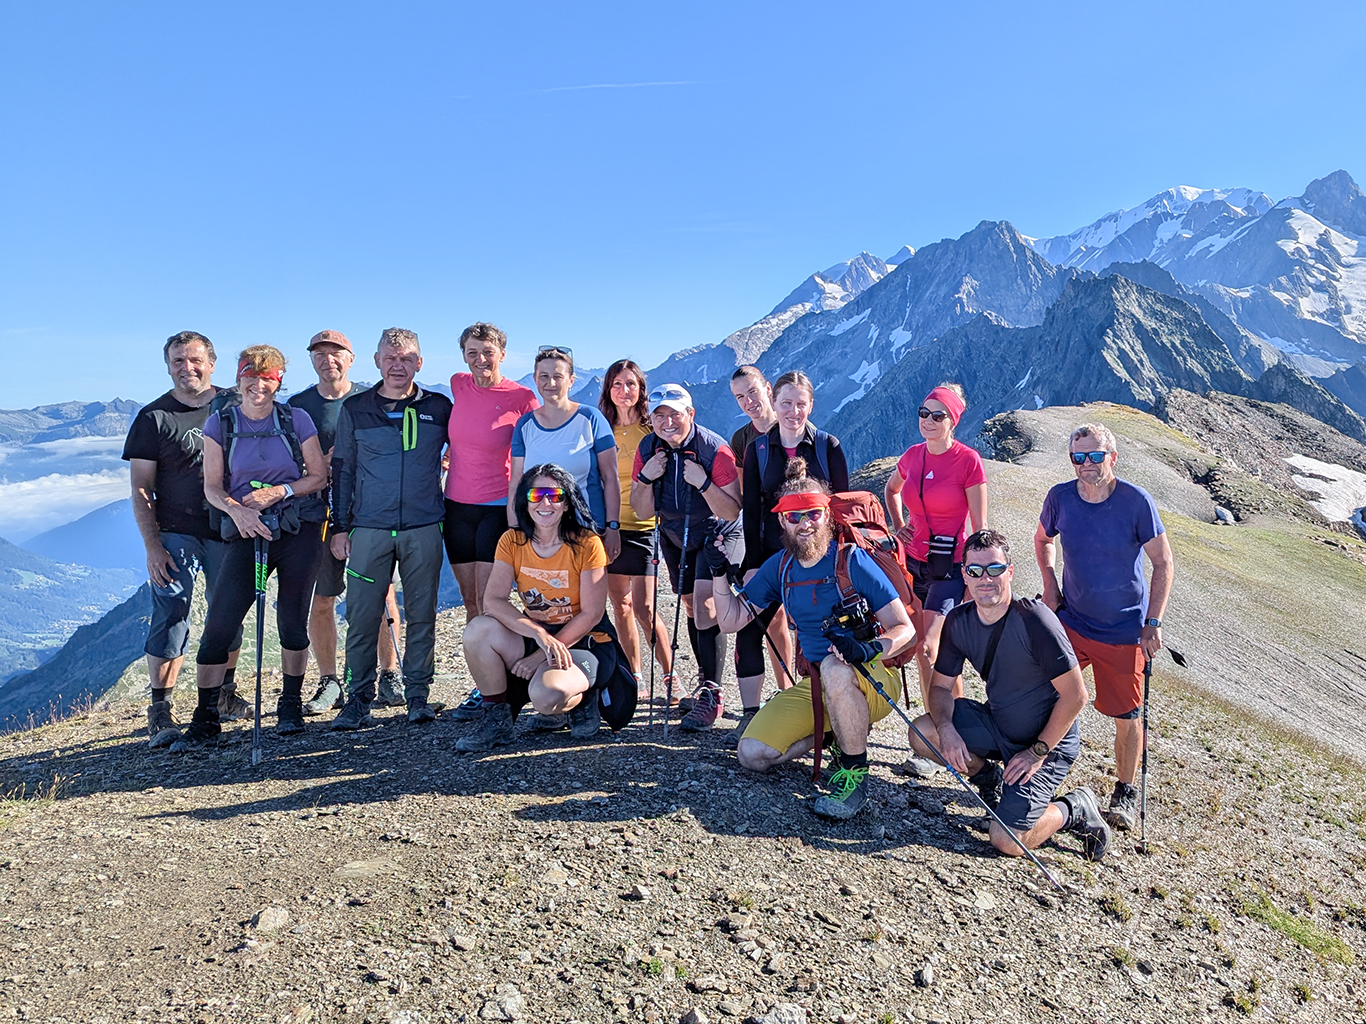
(937, 488)
(262, 471)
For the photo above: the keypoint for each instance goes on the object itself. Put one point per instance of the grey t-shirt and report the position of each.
(1033, 651)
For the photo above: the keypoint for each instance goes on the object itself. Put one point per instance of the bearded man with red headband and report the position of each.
(802, 576)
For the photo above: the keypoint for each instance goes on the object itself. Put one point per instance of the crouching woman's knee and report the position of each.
(756, 755)
(482, 630)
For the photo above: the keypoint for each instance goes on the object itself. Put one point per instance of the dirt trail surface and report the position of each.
(380, 876)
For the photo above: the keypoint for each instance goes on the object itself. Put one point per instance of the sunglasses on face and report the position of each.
(1079, 458)
(929, 414)
(796, 518)
(993, 570)
(536, 495)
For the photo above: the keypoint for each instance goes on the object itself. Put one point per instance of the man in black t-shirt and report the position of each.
(1034, 694)
(332, 355)
(165, 450)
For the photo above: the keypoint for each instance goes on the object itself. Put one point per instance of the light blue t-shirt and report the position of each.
(574, 445)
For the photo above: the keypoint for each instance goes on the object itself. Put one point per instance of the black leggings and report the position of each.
(749, 643)
(294, 560)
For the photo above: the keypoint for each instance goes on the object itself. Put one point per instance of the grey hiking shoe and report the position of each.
(390, 692)
(735, 735)
(162, 728)
(328, 698)
(990, 782)
(1123, 810)
(203, 731)
(471, 708)
(354, 715)
(706, 709)
(585, 719)
(420, 712)
(1087, 822)
(232, 708)
(289, 716)
(549, 723)
(848, 794)
(919, 768)
(494, 729)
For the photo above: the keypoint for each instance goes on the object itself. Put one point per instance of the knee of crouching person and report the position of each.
(1002, 841)
(756, 756)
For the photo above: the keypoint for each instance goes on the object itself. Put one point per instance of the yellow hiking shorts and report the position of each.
(787, 717)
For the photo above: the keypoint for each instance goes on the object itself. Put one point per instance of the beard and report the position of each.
(810, 548)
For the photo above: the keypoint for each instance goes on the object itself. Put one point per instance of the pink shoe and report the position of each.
(706, 709)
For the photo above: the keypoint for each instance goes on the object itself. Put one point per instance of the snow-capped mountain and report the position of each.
(832, 288)
(1291, 273)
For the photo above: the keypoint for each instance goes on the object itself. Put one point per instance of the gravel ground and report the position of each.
(380, 876)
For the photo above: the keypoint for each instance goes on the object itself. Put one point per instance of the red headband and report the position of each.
(244, 370)
(802, 501)
(950, 401)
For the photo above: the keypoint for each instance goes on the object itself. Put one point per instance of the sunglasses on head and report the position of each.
(556, 350)
(814, 514)
(1079, 458)
(930, 414)
(993, 570)
(536, 495)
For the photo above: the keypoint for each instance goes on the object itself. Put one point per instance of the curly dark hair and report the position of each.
(577, 522)
(608, 407)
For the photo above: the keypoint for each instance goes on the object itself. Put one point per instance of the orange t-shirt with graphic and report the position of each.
(549, 587)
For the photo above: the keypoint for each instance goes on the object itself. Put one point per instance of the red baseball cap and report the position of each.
(330, 338)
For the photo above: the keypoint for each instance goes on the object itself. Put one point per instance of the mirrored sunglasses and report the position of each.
(536, 495)
(1079, 458)
(814, 514)
(993, 570)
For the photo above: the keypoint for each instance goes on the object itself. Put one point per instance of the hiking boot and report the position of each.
(1123, 806)
(990, 782)
(390, 692)
(848, 794)
(328, 698)
(162, 728)
(232, 708)
(203, 731)
(585, 718)
(735, 735)
(1087, 822)
(549, 723)
(471, 708)
(289, 716)
(420, 712)
(706, 709)
(494, 729)
(919, 768)
(355, 714)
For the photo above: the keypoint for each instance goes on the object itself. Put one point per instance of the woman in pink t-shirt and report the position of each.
(485, 408)
(937, 488)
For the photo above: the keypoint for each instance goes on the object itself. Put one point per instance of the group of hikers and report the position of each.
(346, 487)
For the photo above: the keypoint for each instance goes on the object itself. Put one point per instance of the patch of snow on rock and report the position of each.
(1341, 491)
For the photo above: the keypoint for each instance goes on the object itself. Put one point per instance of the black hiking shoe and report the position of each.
(162, 728)
(390, 692)
(585, 718)
(420, 712)
(494, 729)
(471, 708)
(289, 716)
(549, 723)
(203, 731)
(328, 698)
(1123, 810)
(354, 715)
(1087, 822)
(990, 783)
(848, 794)
(734, 737)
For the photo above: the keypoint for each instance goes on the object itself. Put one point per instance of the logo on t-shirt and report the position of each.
(555, 579)
(929, 475)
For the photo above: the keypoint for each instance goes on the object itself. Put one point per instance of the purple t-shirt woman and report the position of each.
(258, 452)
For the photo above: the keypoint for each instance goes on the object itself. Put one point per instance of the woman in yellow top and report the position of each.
(623, 402)
(544, 651)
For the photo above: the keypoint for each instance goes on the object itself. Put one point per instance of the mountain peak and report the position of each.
(1336, 200)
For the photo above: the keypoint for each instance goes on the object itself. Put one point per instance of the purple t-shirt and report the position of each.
(1103, 584)
(266, 458)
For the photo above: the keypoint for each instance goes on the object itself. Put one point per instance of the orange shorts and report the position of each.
(1118, 673)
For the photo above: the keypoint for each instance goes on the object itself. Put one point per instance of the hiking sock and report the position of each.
(711, 653)
(230, 679)
(489, 699)
(1066, 809)
(750, 710)
(293, 688)
(159, 694)
(208, 698)
(848, 760)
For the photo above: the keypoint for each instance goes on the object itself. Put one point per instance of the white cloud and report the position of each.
(32, 506)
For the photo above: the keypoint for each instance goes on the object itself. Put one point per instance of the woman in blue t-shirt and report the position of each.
(253, 476)
(576, 437)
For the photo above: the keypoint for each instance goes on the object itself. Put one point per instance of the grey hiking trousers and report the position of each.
(419, 554)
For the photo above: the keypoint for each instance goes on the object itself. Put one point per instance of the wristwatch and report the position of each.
(613, 524)
(1155, 623)
(1039, 748)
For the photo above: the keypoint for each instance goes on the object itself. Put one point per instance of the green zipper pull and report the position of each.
(409, 429)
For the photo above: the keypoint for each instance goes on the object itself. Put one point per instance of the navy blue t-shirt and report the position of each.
(809, 605)
(1103, 584)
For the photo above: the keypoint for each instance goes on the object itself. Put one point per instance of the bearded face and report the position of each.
(809, 540)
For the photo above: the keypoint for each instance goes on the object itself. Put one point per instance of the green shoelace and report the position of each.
(845, 781)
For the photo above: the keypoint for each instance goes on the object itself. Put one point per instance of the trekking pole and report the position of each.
(1143, 771)
(654, 611)
(678, 607)
(962, 781)
(262, 549)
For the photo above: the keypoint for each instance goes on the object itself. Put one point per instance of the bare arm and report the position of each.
(897, 631)
(731, 613)
(977, 506)
(643, 493)
(891, 494)
(611, 498)
(951, 745)
(1159, 552)
(314, 480)
(246, 519)
(722, 499)
(1046, 554)
(518, 468)
(142, 474)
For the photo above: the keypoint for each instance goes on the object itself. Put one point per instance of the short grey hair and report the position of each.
(400, 338)
(1097, 430)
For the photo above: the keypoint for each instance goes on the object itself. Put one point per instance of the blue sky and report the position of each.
(627, 179)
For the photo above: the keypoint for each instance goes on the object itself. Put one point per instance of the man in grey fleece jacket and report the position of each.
(387, 507)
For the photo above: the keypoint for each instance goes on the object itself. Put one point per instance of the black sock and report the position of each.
(751, 711)
(230, 678)
(208, 698)
(493, 698)
(293, 689)
(711, 653)
(159, 694)
(848, 760)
